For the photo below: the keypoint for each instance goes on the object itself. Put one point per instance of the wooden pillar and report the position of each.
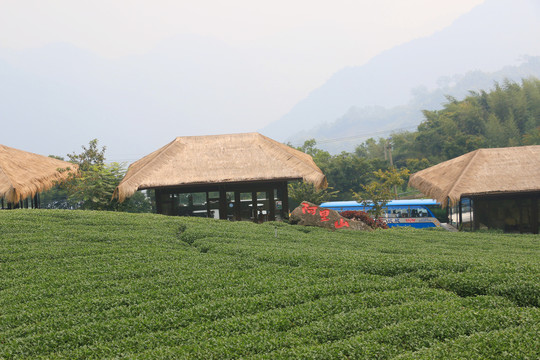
(254, 206)
(222, 204)
(207, 205)
(476, 222)
(460, 217)
(471, 214)
(280, 193)
(534, 213)
(285, 199)
(237, 206)
(34, 201)
(158, 195)
(271, 204)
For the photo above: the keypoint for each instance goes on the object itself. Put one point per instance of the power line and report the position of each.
(361, 136)
(324, 141)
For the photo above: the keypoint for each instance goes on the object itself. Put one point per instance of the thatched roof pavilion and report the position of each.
(220, 163)
(502, 183)
(24, 174)
(483, 171)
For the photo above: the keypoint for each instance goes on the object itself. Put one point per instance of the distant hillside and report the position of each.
(360, 123)
(494, 34)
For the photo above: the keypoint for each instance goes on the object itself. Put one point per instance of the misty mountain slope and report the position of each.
(492, 35)
(361, 123)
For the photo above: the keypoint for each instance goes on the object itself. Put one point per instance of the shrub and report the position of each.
(364, 217)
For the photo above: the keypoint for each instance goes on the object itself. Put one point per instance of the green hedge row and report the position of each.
(76, 284)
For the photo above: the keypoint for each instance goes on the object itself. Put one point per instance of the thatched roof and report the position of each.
(23, 174)
(196, 160)
(483, 171)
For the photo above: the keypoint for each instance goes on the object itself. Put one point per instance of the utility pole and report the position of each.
(389, 150)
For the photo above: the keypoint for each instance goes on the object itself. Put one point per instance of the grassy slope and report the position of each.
(77, 284)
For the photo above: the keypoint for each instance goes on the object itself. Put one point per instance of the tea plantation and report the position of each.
(77, 285)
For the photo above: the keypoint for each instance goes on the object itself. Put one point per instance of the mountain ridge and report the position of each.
(510, 30)
(356, 125)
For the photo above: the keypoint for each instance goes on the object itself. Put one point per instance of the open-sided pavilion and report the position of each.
(235, 176)
(495, 188)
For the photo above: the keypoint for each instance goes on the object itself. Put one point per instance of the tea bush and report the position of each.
(81, 284)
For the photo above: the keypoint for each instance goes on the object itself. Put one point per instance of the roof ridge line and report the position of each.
(163, 149)
(294, 153)
(277, 144)
(463, 172)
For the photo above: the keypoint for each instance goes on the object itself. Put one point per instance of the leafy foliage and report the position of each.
(301, 191)
(93, 187)
(90, 157)
(365, 218)
(86, 284)
(378, 193)
(508, 115)
(345, 173)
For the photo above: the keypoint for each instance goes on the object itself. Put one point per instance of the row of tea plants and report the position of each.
(81, 284)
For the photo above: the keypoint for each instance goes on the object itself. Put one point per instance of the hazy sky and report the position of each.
(291, 47)
(350, 31)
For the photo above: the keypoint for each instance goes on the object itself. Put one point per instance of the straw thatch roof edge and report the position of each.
(24, 174)
(488, 171)
(138, 174)
(317, 178)
(430, 188)
(158, 158)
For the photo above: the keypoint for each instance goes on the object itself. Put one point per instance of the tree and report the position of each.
(301, 191)
(495, 134)
(414, 165)
(346, 171)
(56, 197)
(92, 188)
(378, 193)
(322, 158)
(532, 137)
(139, 202)
(501, 117)
(371, 149)
(89, 157)
(403, 148)
(508, 115)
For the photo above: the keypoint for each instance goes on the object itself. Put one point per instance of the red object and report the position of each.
(310, 209)
(324, 214)
(368, 220)
(341, 223)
